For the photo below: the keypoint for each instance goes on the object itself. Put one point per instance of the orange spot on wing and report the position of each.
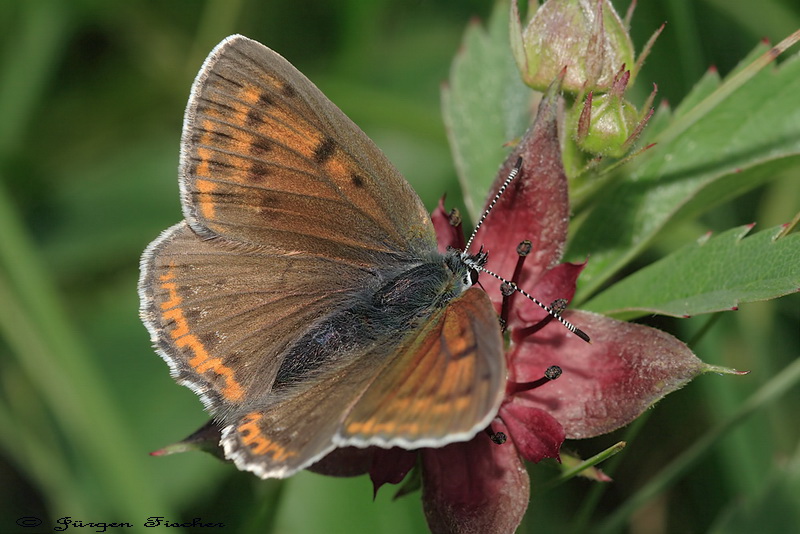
(282, 125)
(205, 187)
(206, 198)
(337, 167)
(201, 361)
(371, 427)
(250, 94)
(458, 338)
(203, 167)
(258, 442)
(175, 315)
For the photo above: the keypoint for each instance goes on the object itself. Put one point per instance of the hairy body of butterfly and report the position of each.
(399, 306)
(303, 298)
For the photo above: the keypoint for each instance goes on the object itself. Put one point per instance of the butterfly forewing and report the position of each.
(268, 159)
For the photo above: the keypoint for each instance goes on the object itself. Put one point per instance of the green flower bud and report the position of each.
(607, 124)
(585, 36)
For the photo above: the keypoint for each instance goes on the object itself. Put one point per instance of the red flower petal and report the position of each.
(345, 462)
(390, 466)
(447, 235)
(606, 384)
(536, 434)
(475, 486)
(534, 207)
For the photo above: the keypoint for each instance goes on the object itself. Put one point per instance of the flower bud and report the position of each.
(585, 36)
(608, 124)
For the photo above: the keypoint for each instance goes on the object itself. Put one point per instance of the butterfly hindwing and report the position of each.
(440, 384)
(222, 313)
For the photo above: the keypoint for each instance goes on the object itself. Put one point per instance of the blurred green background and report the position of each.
(91, 103)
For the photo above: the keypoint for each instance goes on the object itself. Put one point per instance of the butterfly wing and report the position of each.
(284, 220)
(268, 159)
(221, 313)
(222, 321)
(443, 384)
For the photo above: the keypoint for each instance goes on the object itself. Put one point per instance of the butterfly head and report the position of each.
(466, 266)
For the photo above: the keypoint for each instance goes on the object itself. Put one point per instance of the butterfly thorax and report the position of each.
(373, 317)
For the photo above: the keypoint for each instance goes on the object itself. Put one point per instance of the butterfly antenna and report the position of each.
(569, 326)
(511, 175)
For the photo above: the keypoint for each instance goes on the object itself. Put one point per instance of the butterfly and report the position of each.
(303, 297)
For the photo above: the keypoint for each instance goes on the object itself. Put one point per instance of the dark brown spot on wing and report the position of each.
(258, 172)
(357, 180)
(289, 91)
(265, 100)
(254, 117)
(324, 150)
(217, 138)
(268, 200)
(260, 146)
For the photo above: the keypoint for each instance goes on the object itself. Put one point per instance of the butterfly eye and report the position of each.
(471, 278)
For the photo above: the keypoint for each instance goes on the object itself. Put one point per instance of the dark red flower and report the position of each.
(482, 486)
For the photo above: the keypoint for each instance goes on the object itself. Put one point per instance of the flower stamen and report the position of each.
(558, 306)
(497, 437)
(523, 249)
(551, 373)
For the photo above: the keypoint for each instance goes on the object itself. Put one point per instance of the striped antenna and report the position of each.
(511, 175)
(475, 265)
(569, 326)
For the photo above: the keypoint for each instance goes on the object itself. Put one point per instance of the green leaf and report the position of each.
(704, 87)
(709, 154)
(712, 275)
(482, 106)
(710, 82)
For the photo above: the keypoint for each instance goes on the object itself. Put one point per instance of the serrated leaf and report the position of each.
(734, 131)
(712, 275)
(711, 81)
(706, 85)
(483, 106)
